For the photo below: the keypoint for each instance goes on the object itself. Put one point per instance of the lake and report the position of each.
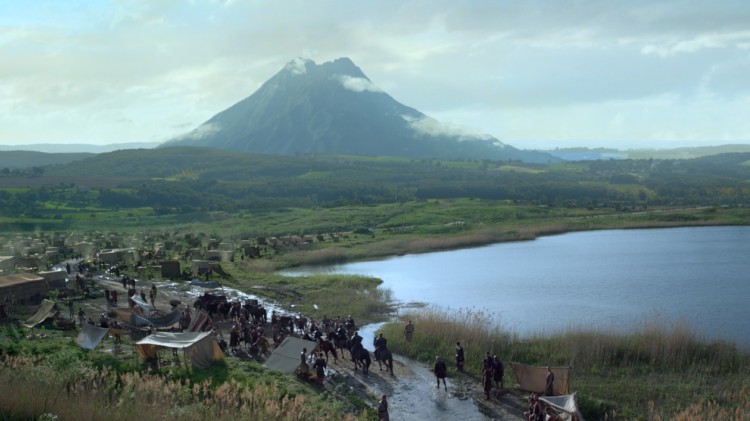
(617, 279)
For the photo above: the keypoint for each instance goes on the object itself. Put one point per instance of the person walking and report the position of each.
(498, 372)
(441, 371)
(383, 409)
(409, 331)
(487, 383)
(549, 383)
(487, 362)
(320, 366)
(459, 357)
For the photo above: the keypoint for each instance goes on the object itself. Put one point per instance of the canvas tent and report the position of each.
(146, 307)
(533, 379)
(199, 322)
(285, 358)
(132, 319)
(46, 309)
(90, 336)
(564, 405)
(200, 347)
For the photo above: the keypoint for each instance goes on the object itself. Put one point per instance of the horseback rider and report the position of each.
(317, 334)
(356, 339)
(341, 332)
(350, 322)
(380, 344)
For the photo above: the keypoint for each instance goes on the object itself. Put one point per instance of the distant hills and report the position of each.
(40, 155)
(593, 154)
(78, 147)
(333, 108)
(16, 159)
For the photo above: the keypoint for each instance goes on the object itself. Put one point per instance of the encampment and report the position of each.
(533, 379)
(199, 347)
(286, 358)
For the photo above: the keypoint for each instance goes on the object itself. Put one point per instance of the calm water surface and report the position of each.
(604, 279)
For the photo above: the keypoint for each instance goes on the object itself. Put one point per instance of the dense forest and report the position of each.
(187, 180)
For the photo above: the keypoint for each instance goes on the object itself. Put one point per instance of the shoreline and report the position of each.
(496, 234)
(646, 318)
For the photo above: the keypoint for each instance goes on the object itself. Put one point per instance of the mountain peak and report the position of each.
(333, 108)
(342, 66)
(298, 66)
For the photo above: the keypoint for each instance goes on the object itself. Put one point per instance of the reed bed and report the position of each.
(660, 371)
(33, 389)
(437, 331)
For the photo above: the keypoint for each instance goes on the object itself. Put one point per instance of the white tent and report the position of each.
(45, 309)
(200, 347)
(90, 336)
(285, 358)
(142, 304)
(564, 405)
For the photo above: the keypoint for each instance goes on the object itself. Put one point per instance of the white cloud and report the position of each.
(671, 47)
(298, 66)
(431, 127)
(358, 84)
(202, 131)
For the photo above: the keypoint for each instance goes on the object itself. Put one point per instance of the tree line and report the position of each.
(186, 180)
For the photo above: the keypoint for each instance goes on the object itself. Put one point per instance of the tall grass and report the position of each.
(661, 371)
(30, 389)
(437, 331)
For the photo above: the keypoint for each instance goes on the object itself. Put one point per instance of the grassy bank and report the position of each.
(445, 232)
(50, 374)
(316, 295)
(662, 371)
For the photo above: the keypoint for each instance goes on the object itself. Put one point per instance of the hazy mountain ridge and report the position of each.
(39, 155)
(78, 147)
(18, 159)
(590, 154)
(333, 108)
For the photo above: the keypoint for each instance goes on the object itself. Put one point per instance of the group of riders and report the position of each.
(332, 336)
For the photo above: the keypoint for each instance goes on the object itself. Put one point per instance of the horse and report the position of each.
(328, 346)
(258, 312)
(384, 355)
(339, 341)
(286, 324)
(210, 303)
(361, 357)
(223, 308)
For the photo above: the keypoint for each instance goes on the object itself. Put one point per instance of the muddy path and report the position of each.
(413, 393)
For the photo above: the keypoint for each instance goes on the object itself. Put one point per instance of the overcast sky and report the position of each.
(534, 74)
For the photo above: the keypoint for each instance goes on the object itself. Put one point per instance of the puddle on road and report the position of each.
(417, 397)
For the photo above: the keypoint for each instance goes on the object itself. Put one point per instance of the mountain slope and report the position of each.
(333, 108)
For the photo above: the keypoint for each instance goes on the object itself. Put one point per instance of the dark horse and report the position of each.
(384, 355)
(361, 357)
(327, 346)
(210, 303)
(339, 341)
